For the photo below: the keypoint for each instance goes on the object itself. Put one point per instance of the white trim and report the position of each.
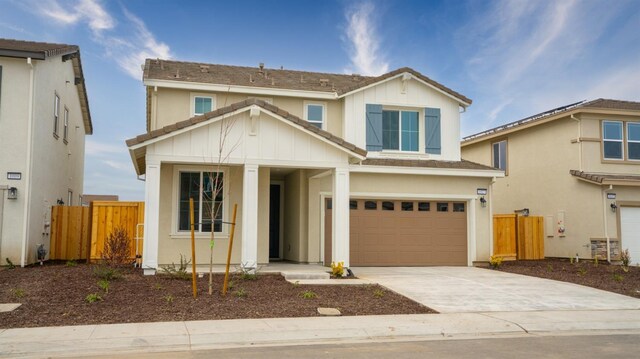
(192, 102)
(151, 217)
(175, 212)
(305, 112)
(261, 91)
(500, 155)
(426, 171)
(464, 104)
(249, 250)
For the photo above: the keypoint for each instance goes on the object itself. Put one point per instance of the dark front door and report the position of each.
(274, 221)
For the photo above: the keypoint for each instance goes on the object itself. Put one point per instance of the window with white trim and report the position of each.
(201, 104)
(65, 131)
(612, 140)
(400, 130)
(206, 189)
(499, 155)
(56, 114)
(633, 140)
(315, 113)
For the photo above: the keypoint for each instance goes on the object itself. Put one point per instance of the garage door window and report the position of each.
(353, 204)
(407, 206)
(387, 206)
(458, 207)
(443, 207)
(424, 206)
(329, 204)
(370, 205)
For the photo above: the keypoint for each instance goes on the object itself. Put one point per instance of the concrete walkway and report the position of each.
(469, 289)
(88, 340)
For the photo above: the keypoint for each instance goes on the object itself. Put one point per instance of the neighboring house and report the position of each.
(323, 167)
(579, 167)
(88, 198)
(44, 117)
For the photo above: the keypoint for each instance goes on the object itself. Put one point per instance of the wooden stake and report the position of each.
(193, 251)
(233, 230)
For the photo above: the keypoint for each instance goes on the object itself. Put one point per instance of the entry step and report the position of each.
(305, 275)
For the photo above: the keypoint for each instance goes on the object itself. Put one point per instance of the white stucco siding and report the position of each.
(417, 96)
(275, 142)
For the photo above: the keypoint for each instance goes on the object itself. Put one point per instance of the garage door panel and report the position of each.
(630, 232)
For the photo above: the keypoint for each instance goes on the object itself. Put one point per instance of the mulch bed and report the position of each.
(603, 276)
(55, 295)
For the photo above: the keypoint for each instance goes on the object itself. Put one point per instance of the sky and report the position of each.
(514, 58)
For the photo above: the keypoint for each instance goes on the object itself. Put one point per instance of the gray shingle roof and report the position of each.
(39, 50)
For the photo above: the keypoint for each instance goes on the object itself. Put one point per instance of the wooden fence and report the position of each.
(70, 232)
(108, 215)
(518, 236)
(80, 232)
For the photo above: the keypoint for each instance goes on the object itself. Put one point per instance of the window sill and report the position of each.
(199, 236)
(402, 154)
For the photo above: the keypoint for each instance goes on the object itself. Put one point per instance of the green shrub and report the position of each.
(337, 269)
(158, 286)
(618, 277)
(248, 276)
(495, 262)
(19, 292)
(117, 250)
(106, 273)
(10, 263)
(168, 298)
(93, 297)
(179, 272)
(71, 263)
(625, 257)
(582, 271)
(549, 267)
(104, 285)
(308, 294)
(378, 293)
(240, 293)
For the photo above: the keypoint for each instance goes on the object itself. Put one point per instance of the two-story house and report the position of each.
(324, 167)
(579, 167)
(44, 117)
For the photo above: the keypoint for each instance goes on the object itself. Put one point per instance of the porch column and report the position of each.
(151, 217)
(340, 217)
(250, 216)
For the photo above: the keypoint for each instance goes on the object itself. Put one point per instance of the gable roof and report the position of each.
(43, 51)
(338, 84)
(556, 113)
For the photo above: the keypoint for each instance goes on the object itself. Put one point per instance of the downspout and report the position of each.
(579, 141)
(604, 220)
(493, 180)
(27, 186)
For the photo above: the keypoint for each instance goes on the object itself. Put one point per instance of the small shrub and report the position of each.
(106, 273)
(230, 285)
(93, 297)
(104, 285)
(625, 257)
(582, 271)
(595, 260)
(296, 283)
(308, 294)
(495, 262)
(19, 292)
(168, 298)
(618, 277)
(179, 272)
(158, 286)
(549, 267)
(10, 263)
(117, 250)
(378, 293)
(240, 293)
(71, 263)
(571, 260)
(248, 276)
(337, 269)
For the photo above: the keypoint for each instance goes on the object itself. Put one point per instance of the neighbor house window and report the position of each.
(202, 104)
(612, 140)
(499, 153)
(315, 114)
(400, 130)
(201, 186)
(65, 131)
(56, 114)
(633, 140)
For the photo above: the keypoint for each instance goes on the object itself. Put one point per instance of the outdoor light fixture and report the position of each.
(614, 207)
(12, 193)
(483, 202)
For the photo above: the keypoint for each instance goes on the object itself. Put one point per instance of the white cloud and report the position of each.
(118, 165)
(95, 148)
(87, 11)
(362, 34)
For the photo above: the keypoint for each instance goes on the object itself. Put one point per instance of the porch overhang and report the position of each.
(607, 179)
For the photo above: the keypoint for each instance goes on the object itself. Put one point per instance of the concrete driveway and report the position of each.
(468, 289)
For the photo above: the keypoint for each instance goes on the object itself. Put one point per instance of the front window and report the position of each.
(633, 140)
(202, 105)
(500, 155)
(612, 140)
(314, 113)
(206, 189)
(400, 130)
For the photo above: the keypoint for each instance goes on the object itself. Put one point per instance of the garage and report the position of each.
(387, 232)
(630, 231)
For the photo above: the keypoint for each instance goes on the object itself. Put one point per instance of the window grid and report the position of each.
(400, 130)
(200, 186)
(633, 141)
(202, 105)
(612, 140)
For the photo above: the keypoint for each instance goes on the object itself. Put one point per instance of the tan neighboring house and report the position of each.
(324, 167)
(579, 167)
(44, 117)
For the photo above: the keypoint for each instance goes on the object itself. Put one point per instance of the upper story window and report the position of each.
(202, 103)
(206, 189)
(400, 130)
(65, 131)
(633, 140)
(56, 114)
(499, 155)
(315, 113)
(612, 140)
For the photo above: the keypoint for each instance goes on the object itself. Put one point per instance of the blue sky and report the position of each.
(513, 58)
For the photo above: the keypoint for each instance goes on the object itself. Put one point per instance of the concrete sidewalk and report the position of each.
(198, 335)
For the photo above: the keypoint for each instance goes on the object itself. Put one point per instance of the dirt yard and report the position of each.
(603, 276)
(56, 294)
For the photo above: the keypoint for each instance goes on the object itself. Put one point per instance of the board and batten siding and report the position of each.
(417, 96)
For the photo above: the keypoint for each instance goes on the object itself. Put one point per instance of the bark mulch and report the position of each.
(603, 276)
(55, 295)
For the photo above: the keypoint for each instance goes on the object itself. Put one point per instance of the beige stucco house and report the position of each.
(324, 167)
(579, 167)
(44, 117)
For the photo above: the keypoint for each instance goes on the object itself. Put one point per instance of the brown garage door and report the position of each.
(403, 233)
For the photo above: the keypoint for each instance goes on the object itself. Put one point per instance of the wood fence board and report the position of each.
(518, 236)
(69, 232)
(109, 215)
